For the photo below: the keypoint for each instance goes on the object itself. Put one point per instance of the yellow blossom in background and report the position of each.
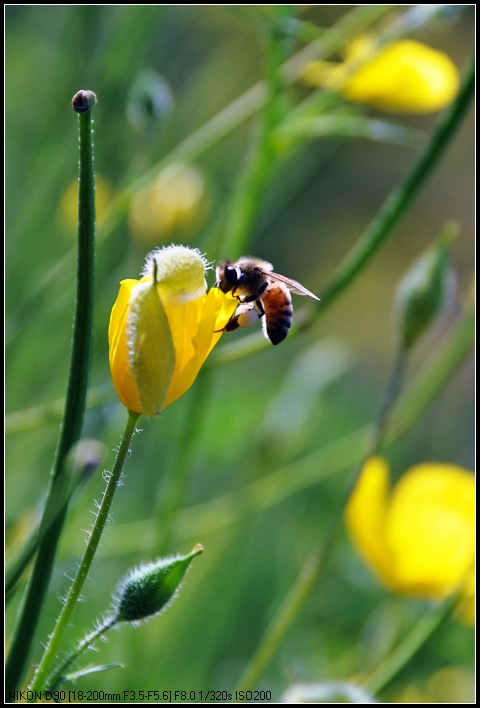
(163, 327)
(452, 684)
(175, 203)
(419, 537)
(405, 76)
(68, 206)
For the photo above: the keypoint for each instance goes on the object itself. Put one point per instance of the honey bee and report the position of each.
(261, 293)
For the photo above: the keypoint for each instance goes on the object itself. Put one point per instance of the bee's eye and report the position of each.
(231, 275)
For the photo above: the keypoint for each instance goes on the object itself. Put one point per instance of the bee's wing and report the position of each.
(292, 285)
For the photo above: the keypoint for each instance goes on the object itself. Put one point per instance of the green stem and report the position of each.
(57, 498)
(421, 632)
(402, 198)
(87, 642)
(316, 561)
(51, 651)
(252, 184)
(432, 378)
(178, 473)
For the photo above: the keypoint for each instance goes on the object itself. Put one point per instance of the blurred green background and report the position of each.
(160, 73)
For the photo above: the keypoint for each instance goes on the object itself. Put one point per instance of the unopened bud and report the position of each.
(422, 292)
(83, 101)
(150, 588)
(86, 457)
(150, 99)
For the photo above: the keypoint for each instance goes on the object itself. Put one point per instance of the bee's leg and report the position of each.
(255, 296)
(260, 308)
(231, 325)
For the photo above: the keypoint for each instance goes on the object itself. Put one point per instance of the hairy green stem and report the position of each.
(75, 402)
(82, 646)
(51, 651)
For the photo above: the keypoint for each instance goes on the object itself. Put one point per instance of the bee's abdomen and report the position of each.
(277, 303)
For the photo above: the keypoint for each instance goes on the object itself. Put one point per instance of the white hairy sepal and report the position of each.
(179, 272)
(151, 353)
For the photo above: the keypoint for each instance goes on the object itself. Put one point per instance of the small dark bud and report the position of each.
(150, 99)
(86, 457)
(83, 101)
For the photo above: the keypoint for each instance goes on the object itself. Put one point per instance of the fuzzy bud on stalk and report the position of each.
(422, 292)
(150, 588)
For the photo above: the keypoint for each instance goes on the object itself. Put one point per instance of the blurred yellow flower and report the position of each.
(68, 206)
(175, 203)
(163, 327)
(418, 537)
(453, 684)
(405, 76)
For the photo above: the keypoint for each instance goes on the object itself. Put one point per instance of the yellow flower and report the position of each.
(163, 327)
(175, 202)
(404, 77)
(418, 537)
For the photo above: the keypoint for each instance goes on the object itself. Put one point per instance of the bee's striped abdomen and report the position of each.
(277, 303)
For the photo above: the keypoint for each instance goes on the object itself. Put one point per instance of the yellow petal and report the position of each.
(430, 529)
(322, 73)
(419, 539)
(405, 77)
(365, 516)
(194, 334)
(122, 375)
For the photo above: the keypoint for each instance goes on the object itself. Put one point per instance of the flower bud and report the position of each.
(150, 588)
(86, 457)
(150, 99)
(83, 101)
(422, 292)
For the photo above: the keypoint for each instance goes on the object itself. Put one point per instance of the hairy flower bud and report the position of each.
(422, 292)
(150, 588)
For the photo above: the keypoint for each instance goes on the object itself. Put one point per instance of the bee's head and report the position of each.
(227, 276)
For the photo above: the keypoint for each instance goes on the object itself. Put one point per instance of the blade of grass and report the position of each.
(56, 504)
